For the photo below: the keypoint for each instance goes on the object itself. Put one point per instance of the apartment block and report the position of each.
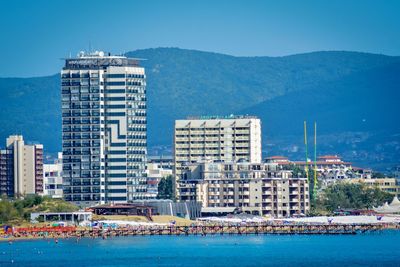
(52, 179)
(21, 167)
(225, 139)
(256, 188)
(6, 172)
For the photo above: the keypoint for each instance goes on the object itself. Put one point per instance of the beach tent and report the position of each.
(393, 208)
(395, 202)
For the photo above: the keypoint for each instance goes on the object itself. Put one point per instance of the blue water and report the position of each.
(376, 249)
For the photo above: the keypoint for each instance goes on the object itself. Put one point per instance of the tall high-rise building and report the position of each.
(21, 167)
(226, 139)
(104, 129)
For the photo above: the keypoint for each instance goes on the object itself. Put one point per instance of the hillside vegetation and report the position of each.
(348, 196)
(18, 211)
(353, 96)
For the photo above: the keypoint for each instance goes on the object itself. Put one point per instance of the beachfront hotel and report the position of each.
(227, 138)
(256, 188)
(21, 167)
(104, 129)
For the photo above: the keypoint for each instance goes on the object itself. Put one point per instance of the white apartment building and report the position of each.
(226, 139)
(104, 140)
(21, 167)
(52, 179)
(256, 188)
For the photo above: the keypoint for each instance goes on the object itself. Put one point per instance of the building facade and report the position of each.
(104, 129)
(52, 179)
(256, 188)
(330, 168)
(226, 139)
(6, 172)
(388, 185)
(21, 168)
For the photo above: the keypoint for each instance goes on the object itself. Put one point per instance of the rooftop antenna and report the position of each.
(305, 143)
(315, 161)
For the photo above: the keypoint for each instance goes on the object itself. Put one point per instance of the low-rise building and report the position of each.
(187, 209)
(162, 161)
(385, 184)
(68, 217)
(155, 172)
(330, 169)
(256, 188)
(52, 180)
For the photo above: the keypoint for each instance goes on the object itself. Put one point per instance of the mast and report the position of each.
(315, 161)
(305, 143)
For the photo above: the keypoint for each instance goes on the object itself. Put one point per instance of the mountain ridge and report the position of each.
(183, 82)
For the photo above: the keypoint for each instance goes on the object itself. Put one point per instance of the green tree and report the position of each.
(19, 210)
(8, 212)
(355, 196)
(166, 188)
(378, 175)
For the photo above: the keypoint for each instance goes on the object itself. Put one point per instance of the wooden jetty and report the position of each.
(337, 229)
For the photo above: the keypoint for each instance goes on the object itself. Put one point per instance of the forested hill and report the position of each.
(353, 96)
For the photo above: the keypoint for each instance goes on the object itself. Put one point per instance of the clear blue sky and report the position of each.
(36, 34)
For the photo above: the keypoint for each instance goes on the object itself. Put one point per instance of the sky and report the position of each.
(36, 35)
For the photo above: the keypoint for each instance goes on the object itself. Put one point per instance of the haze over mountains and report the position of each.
(354, 98)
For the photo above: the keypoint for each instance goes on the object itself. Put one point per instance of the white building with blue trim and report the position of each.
(104, 129)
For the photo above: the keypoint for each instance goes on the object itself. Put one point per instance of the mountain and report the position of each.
(353, 97)
(357, 117)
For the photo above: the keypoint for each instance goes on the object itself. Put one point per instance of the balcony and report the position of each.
(186, 193)
(269, 208)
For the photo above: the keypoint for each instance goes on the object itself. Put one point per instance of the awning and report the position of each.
(218, 209)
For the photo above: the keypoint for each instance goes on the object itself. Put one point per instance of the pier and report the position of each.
(233, 230)
(198, 230)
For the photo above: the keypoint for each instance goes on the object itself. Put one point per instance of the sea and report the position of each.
(370, 249)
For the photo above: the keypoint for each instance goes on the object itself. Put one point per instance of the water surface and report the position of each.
(376, 249)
